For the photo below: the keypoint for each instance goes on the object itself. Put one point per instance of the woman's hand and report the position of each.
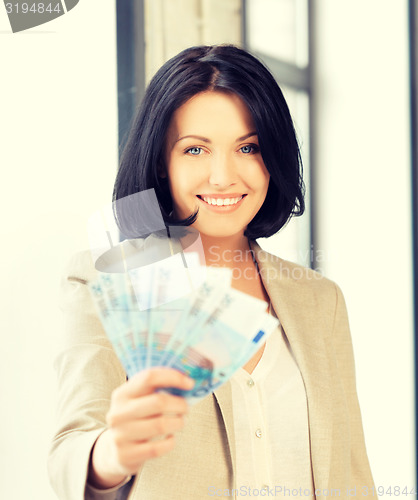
(141, 425)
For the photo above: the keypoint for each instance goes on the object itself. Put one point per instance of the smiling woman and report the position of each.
(215, 140)
(244, 87)
(214, 166)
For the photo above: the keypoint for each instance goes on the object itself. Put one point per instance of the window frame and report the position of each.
(130, 34)
(296, 78)
(413, 96)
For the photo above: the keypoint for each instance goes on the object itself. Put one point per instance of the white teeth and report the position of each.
(221, 201)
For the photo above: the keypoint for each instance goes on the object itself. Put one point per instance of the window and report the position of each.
(277, 31)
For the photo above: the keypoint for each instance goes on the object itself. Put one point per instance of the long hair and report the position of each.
(223, 68)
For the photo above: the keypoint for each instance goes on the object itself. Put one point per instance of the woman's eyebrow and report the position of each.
(247, 136)
(205, 139)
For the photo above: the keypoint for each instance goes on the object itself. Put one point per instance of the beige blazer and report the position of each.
(313, 315)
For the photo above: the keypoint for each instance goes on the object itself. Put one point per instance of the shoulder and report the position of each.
(295, 288)
(290, 273)
(80, 268)
(85, 265)
(77, 272)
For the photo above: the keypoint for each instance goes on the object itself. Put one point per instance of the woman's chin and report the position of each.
(219, 232)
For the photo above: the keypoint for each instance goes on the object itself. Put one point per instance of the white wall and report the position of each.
(364, 211)
(58, 118)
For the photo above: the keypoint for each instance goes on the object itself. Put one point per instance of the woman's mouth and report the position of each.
(224, 204)
(221, 202)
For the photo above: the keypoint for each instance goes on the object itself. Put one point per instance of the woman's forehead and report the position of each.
(210, 112)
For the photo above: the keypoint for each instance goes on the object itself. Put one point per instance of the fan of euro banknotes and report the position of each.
(179, 314)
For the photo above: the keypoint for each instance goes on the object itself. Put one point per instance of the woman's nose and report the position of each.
(222, 172)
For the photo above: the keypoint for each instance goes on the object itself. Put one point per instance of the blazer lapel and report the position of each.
(297, 310)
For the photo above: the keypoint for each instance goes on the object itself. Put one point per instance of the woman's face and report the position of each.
(214, 164)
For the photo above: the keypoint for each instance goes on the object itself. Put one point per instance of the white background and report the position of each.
(58, 103)
(58, 115)
(363, 161)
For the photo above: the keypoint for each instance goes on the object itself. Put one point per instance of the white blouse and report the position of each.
(271, 426)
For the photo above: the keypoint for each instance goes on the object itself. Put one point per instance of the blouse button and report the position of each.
(250, 382)
(258, 433)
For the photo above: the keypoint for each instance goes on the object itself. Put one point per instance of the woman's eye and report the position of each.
(194, 151)
(249, 148)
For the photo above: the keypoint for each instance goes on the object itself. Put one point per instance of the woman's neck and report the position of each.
(235, 253)
(226, 251)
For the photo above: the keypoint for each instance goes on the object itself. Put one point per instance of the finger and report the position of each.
(154, 404)
(147, 429)
(132, 457)
(147, 381)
